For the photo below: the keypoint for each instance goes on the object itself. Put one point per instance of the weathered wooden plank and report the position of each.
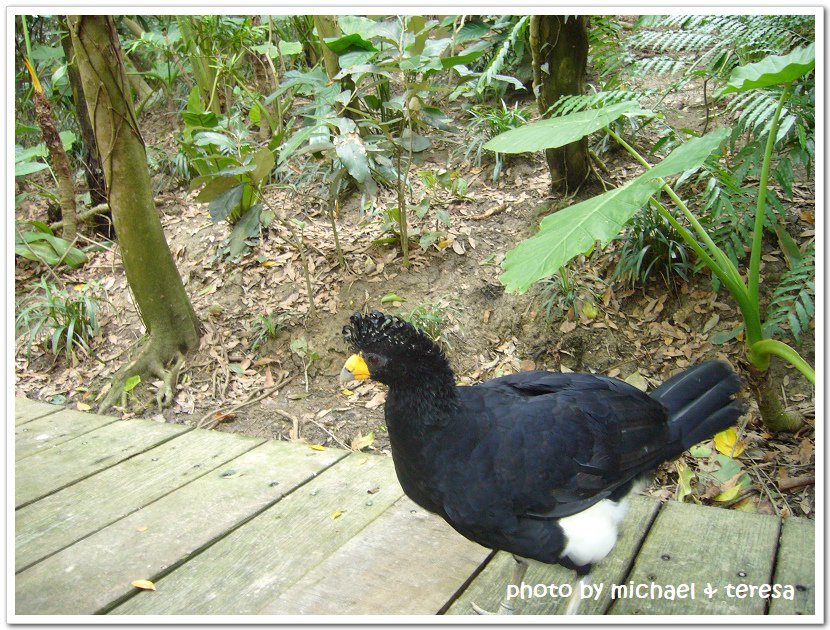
(26, 410)
(53, 429)
(489, 587)
(249, 568)
(58, 520)
(699, 546)
(51, 470)
(795, 566)
(406, 562)
(95, 573)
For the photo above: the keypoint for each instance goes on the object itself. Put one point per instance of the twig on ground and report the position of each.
(488, 213)
(251, 400)
(791, 483)
(333, 436)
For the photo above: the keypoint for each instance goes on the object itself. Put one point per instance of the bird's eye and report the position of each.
(372, 359)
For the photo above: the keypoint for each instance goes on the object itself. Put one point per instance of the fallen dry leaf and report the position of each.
(637, 380)
(363, 441)
(805, 451)
(146, 585)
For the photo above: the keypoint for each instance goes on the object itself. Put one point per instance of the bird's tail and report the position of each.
(700, 403)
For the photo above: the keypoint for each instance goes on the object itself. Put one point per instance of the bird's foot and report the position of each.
(505, 608)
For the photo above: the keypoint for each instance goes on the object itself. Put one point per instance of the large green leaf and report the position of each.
(247, 227)
(295, 141)
(348, 42)
(557, 132)
(575, 229)
(24, 155)
(772, 70)
(27, 168)
(200, 119)
(224, 204)
(264, 163)
(215, 187)
(365, 27)
(204, 138)
(352, 153)
(42, 246)
(572, 231)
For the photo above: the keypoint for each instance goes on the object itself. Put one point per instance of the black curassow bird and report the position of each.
(538, 464)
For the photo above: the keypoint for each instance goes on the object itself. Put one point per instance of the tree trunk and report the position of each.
(265, 80)
(327, 26)
(171, 323)
(559, 46)
(92, 165)
(773, 414)
(57, 156)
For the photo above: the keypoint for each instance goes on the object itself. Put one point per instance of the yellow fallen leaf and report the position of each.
(269, 263)
(363, 441)
(347, 392)
(79, 287)
(82, 406)
(589, 310)
(317, 447)
(684, 480)
(335, 515)
(142, 529)
(147, 585)
(728, 444)
(728, 495)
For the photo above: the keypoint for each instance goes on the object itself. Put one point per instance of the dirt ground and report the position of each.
(642, 335)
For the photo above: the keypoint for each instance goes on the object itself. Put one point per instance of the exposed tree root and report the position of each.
(155, 361)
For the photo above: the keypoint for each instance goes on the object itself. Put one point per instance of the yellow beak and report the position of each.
(354, 370)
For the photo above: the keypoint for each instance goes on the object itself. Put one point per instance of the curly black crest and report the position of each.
(376, 328)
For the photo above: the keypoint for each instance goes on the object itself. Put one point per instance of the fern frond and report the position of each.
(658, 65)
(793, 301)
(499, 61)
(571, 103)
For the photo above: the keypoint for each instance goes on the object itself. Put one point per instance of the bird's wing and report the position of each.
(555, 444)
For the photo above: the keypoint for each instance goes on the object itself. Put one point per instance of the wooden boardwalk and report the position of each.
(234, 525)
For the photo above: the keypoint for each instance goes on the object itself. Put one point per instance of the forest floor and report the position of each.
(642, 334)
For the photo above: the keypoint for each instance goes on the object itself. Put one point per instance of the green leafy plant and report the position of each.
(502, 56)
(231, 173)
(570, 293)
(433, 319)
(575, 229)
(369, 133)
(486, 122)
(652, 247)
(41, 245)
(307, 355)
(166, 70)
(267, 327)
(61, 320)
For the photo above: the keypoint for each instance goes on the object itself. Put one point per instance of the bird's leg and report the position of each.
(576, 596)
(506, 605)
